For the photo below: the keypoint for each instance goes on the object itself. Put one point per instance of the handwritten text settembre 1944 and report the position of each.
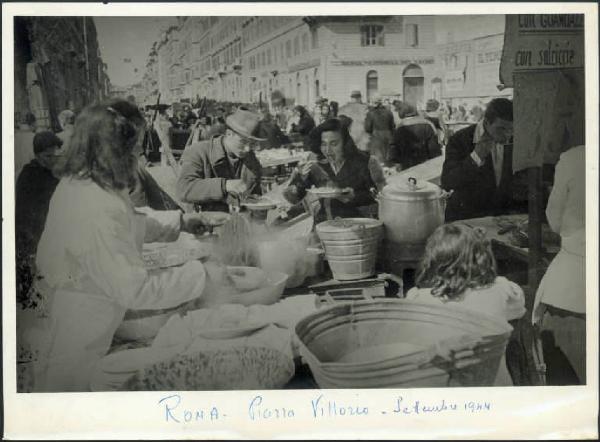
(259, 408)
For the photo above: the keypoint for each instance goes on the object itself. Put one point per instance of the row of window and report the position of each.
(260, 26)
(291, 48)
(371, 35)
(374, 35)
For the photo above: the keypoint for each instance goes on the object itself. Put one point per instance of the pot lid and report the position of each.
(412, 189)
(346, 224)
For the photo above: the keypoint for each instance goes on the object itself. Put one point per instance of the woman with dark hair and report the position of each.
(341, 165)
(304, 126)
(324, 113)
(89, 254)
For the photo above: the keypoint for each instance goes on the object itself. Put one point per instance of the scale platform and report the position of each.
(380, 286)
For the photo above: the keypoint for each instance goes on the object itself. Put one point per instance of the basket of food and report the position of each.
(389, 343)
(225, 347)
(236, 368)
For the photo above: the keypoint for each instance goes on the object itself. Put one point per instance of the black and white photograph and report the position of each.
(299, 202)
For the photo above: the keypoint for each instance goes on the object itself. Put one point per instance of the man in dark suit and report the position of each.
(478, 166)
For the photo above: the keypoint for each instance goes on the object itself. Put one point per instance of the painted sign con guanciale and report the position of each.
(541, 42)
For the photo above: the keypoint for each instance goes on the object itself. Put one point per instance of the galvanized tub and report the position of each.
(399, 343)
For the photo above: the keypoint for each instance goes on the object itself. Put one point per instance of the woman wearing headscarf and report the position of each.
(89, 255)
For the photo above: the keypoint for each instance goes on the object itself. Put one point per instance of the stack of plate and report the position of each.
(390, 343)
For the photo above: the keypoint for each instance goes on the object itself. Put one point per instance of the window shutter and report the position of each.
(363, 35)
(380, 36)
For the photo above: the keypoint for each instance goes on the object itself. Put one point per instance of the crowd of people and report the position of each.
(85, 204)
(395, 133)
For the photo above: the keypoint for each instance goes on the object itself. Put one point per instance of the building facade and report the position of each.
(252, 59)
(469, 51)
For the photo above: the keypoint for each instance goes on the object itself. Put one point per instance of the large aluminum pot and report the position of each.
(411, 210)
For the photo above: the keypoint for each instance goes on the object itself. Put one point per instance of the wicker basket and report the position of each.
(244, 368)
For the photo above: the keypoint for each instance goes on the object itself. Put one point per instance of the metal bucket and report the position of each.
(399, 343)
(351, 246)
(352, 267)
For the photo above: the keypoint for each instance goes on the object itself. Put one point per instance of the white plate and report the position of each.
(263, 203)
(327, 192)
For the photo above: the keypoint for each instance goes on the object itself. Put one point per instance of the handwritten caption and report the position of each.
(320, 407)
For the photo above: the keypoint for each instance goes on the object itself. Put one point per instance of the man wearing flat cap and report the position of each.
(221, 171)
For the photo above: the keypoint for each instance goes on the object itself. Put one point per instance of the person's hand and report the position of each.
(199, 222)
(347, 196)
(236, 187)
(483, 150)
(305, 168)
(277, 215)
(212, 219)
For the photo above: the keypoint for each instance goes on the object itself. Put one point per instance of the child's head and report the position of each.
(457, 257)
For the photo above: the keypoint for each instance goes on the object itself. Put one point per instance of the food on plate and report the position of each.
(327, 190)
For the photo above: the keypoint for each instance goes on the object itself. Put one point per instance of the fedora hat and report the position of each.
(244, 122)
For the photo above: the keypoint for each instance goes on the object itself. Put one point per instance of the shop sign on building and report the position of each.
(398, 62)
(536, 42)
(488, 52)
(454, 81)
(305, 65)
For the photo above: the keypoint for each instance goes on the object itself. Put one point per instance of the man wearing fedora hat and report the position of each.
(222, 170)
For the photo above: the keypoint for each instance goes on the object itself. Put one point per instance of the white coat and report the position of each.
(90, 259)
(563, 285)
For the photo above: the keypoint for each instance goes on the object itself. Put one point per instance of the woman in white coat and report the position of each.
(89, 254)
(560, 301)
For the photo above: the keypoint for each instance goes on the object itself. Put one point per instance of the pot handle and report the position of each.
(444, 197)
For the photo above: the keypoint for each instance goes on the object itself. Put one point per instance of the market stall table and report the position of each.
(499, 230)
(512, 256)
